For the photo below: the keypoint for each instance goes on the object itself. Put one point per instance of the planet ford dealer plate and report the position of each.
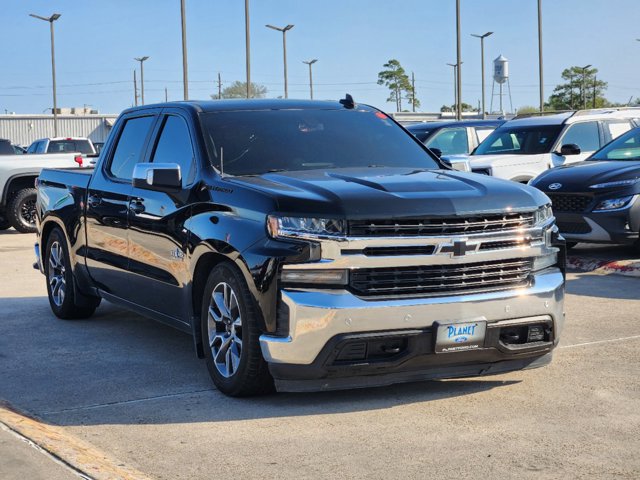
(459, 337)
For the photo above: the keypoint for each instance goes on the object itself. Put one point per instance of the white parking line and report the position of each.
(601, 341)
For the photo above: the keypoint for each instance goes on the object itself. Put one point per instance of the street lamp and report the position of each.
(284, 49)
(185, 74)
(540, 72)
(52, 19)
(458, 63)
(141, 60)
(310, 62)
(247, 47)
(482, 37)
(584, 93)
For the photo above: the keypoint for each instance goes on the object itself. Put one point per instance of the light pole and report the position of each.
(584, 93)
(52, 19)
(247, 45)
(455, 87)
(310, 62)
(185, 75)
(540, 55)
(141, 60)
(482, 37)
(458, 63)
(284, 49)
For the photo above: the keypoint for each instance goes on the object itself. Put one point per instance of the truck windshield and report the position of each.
(253, 142)
(520, 140)
(75, 146)
(625, 147)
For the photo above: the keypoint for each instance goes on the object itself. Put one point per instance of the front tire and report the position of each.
(21, 211)
(65, 301)
(229, 321)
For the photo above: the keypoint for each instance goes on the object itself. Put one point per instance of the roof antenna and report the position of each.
(347, 101)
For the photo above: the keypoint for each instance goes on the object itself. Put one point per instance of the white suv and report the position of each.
(523, 148)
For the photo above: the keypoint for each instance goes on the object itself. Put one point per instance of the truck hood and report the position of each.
(391, 192)
(580, 176)
(486, 161)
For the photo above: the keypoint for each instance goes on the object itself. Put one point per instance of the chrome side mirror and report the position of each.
(161, 177)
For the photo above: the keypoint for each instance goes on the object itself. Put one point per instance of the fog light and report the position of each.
(328, 277)
(536, 333)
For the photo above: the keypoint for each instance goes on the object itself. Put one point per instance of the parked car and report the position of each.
(451, 137)
(63, 145)
(596, 201)
(522, 149)
(18, 150)
(17, 192)
(317, 244)
(6, 148)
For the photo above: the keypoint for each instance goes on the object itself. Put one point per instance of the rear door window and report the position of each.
(583, 134)
(129, 149)
(615, 128)
(174, 146)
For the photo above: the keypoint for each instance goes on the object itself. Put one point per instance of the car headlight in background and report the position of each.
(613, 204)
(542, 215)
(305, 227)
(617, 183)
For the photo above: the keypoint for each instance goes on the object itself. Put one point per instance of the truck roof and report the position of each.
(454, 123)
(576, 116)
(203, 106)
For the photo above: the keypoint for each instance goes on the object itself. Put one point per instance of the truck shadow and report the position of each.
(603, 286)
(120, 368)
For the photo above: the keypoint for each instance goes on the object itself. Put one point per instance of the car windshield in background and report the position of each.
(520, 140)
(625, 147)
(253, 142)
(421, 135)
(75, 146)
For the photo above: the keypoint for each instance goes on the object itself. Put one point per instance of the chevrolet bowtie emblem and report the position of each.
(459, 248)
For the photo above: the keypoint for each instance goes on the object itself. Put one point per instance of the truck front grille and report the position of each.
(569, 202)
(415, 227)
(442, 279)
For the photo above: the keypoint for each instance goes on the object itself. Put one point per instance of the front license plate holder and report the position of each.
(460, 336)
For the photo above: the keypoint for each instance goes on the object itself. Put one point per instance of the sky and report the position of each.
(96, 42)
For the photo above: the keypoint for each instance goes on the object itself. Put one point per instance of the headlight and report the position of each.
(618, 183)
(613, 204)
(305, 227)
(318, 276)
(542, 215)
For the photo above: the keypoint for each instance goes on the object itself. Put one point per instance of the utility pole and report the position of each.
(247, 43)
(166, 95)
(284, 50)
(413, 92)
(220, 88)
(185, 75)
(540, 55)
(310, 62)
(571, 91)
(458, 63)
(595, 82)
(482, 37)
(135, 88)
(455, 87)
(52, 19)
(583, 88)
(141, 60)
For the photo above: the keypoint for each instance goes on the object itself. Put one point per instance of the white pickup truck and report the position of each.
(17, 177)
(523, 148)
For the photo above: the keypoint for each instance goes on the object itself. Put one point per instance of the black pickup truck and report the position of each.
(305, 245)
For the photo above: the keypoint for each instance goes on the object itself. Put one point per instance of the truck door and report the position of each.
(108, 206)
(157, 236)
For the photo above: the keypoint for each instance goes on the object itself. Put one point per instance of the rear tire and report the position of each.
(230, 332)
(66, 302)
(21, 211)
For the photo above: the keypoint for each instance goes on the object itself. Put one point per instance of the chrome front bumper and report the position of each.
(316, 316)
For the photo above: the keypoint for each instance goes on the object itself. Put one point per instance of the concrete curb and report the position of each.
(630, 268)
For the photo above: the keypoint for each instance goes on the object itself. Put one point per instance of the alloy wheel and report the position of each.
(225, 329)
(56, 274)
(28, 211)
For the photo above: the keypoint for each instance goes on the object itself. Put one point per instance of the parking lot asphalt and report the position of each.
(135, 390)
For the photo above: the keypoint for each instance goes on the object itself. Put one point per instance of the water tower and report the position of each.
(501, 76)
